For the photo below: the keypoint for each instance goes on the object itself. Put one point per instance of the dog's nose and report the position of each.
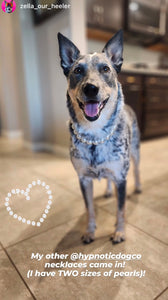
(90, 90)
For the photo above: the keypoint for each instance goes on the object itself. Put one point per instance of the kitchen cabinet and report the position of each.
(155, 106)
(148, 97)
(106, 15)
(132, 90)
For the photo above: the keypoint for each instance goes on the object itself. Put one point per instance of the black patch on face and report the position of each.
(76, 78)
(71, 109)
(107, 75)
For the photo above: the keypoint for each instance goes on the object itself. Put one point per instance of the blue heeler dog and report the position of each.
(104, 131)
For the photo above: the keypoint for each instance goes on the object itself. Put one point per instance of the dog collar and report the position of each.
(92, 142)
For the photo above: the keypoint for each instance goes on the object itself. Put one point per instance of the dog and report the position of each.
(8, 6)
(103, 130)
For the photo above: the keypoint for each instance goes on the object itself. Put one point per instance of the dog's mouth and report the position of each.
(92, 109)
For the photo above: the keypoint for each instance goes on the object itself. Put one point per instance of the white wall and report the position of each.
(44, 80)
(9, 106)
(52, 80)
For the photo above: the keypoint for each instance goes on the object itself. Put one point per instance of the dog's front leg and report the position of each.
(86, 185)
(108, 192)
(119, 234)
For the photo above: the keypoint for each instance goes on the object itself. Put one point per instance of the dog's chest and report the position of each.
(104, 160)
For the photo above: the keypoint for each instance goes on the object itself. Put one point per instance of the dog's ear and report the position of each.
(68, 53)
(114, 50)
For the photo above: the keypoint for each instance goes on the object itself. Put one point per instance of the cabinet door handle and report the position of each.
(152, 80)
(130, 79)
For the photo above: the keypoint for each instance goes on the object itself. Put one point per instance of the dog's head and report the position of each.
(92, 78)
(8, 6)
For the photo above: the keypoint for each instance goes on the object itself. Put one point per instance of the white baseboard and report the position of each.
(12, 134)
(53, 148)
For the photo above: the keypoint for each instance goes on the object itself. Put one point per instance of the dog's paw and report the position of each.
(88, 237)
(118, 237)
(108, 194)
(138, 191)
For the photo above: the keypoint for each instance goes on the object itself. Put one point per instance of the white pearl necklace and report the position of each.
(91, 142)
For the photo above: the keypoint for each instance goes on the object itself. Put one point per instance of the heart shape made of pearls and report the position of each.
(26, 193)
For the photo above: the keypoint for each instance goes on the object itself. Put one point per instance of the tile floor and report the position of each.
(146, 228)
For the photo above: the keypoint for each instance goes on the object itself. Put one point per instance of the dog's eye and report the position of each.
(78, 70)
(106, 69)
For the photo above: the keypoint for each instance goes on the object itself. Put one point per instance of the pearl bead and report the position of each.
(26, 193)
(83, 140)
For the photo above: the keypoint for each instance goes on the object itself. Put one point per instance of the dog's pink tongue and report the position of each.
(91, 109)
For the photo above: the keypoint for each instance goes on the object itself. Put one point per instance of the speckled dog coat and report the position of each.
(104, 131)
